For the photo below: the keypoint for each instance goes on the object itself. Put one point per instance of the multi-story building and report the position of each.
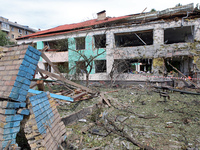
(125, 48)
(14, 30)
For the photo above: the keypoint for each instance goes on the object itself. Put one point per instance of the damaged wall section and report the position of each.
(44, 128)
(17, 67)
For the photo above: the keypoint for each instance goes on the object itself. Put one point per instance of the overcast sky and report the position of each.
(45, 14)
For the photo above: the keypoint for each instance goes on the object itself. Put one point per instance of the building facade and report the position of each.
(131, 47)
(14, 30)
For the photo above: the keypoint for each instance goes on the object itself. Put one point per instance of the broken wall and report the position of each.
(17, 67)
(43, 127)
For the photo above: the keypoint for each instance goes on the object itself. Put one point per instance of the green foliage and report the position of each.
(179, 4)
(4, 40)
(153, 10)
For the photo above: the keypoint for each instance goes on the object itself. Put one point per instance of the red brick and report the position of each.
(5, 63)
(17, 66)
(10, 67)
(6, 78)
(2, 73)
(17, 62)
(2, 82)
(4, 88)
(14, 77)
(2, 68)
(13, 72)
(9, 82)
(21, 56)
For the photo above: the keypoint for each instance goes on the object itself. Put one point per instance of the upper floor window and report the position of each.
(129, 39)
(179, 35)
(12, 28)
(26, 32)
(5, 25)
(20, 31)
(100, 41)
(80, 43)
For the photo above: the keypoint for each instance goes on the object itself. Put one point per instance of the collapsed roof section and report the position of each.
(111, 21)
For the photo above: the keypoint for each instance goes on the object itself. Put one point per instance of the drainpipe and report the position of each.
(185, 18)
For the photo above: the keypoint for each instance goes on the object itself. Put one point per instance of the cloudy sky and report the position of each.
(45, 14)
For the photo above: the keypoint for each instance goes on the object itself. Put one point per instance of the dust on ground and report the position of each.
(140, 113)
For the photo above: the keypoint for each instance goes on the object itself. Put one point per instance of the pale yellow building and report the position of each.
(14, 30)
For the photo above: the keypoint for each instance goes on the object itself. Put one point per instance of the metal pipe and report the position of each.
(140, 39)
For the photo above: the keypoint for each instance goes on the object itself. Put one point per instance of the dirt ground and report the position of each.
(137, 114)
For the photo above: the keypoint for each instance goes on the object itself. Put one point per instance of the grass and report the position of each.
(174, 124)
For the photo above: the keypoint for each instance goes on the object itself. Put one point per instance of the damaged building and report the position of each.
(125, 48)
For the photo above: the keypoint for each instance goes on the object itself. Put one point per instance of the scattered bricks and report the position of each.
(27, 69)
(2, 83)
(22, 73)
(2, 73)
(21, 98)
(12, 124)
(22, 47)
(25, 63)
(23, 111)
(17, 67)
(13, 95)
(17, 84)
(34, 50)
(7, 104)
(7, 111)
(15, 89)
(22, 104)
(6, 63)
(17, 62)
(23, 51)
(25, 87)
(11, 130)
(23, 92)
(31, 60)
(13, 78)
(13, 72)
(21, 56)
(10, 67)
(29, 53)
(29, 76)
(33, 66)
(2, 68)
(14, 118)
(6, 94)
(6, 78)
(9, 83)
(4, 88)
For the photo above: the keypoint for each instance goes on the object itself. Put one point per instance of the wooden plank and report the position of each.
(64, 80)
(52, 95)
(40, 85)
(77, 96)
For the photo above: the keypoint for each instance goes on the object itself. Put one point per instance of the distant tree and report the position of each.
(153, 10)
(179, 4)
(4, 39)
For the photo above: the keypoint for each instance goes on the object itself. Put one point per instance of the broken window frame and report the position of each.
(100, 66)
(57, 45)
(133, 65)
(100, 40)
(80, 43)
(81, 67)
(47, 67)
(132, 39)
(178, 35)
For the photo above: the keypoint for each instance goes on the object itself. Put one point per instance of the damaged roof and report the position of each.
(94, 23)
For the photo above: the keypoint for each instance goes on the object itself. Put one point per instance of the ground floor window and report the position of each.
(133, 65)
(100, 66)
